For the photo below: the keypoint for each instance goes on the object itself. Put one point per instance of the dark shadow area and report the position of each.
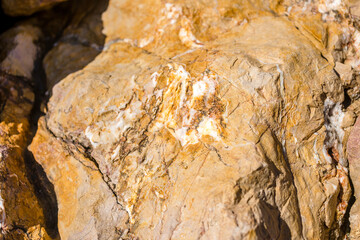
(7, 21)
(45, 193)
(273, 226)
(79, 44)
(347, 100)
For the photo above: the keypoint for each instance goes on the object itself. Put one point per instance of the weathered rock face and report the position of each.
(87, 207)
(26, 7)
(211, 120)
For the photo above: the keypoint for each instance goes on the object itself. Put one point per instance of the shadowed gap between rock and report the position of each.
(44, 191)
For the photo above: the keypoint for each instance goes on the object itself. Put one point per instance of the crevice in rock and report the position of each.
(43, 188)
(87, 155)
(347, 100)
(333, 152)
(45, 193)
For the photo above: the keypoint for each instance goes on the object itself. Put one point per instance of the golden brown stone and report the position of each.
(212, 120)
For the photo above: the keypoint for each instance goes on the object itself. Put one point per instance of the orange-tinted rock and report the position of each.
(211, 120)
(20, 208)
(209, 131)
(87, 207)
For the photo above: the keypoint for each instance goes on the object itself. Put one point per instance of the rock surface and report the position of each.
(87, 207)
(186, 120)
(28, 210)
(211, 120)
(20, 209)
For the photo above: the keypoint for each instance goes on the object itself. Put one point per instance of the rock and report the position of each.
(345, 72)
(353, 146)
(27, 7)
(87, 207)
(27, 208)
(21, 210)
(79, 44)
(201, 121)
(19, 50)
(23, 44)
(354, 7)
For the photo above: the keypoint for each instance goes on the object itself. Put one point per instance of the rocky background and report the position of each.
(188, 119)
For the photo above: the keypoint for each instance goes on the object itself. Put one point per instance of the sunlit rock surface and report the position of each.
(208, 120)
(187, 119)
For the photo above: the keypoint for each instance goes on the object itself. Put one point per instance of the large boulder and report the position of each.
(201, 120)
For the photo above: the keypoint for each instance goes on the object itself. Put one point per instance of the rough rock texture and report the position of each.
(20, 209)
(28, 207)
(26, 7)
(87, 207)
(17, 100)
(207, 120)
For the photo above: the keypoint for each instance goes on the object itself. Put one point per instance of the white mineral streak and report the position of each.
(353, 40)
(145, 41)
(329, 5)
(184, 77)
(209, 127)
(187, 37)
(172, 12)
(296, 147)
(335, 134)
(306, 5)
(130, 196)
(179, 112)
(115, 153)
(282, 87)
(150, 86)
(129, 206)
(199, 89)
(326, 155)
(206, 87)
(109, 132)
(316, 154)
